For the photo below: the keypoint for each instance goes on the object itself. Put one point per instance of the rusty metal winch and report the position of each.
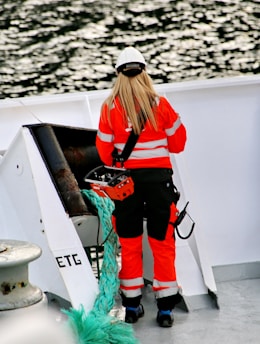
(15, 288)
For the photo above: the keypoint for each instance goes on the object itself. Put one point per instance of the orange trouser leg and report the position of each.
(131, 273)
(164, 282)
(164, 257)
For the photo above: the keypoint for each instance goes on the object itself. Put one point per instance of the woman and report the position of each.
(134, 105)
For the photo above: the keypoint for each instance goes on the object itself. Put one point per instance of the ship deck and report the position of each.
(236, 321)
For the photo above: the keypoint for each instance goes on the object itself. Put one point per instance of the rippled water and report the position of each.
(50, 46)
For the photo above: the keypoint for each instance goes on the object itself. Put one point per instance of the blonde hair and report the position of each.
(138, 98)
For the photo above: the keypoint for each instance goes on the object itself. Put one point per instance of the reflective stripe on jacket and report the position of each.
(152, 148)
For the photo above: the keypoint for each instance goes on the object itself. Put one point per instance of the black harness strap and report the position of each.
(130, 143)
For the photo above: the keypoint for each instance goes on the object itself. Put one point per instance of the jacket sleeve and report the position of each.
(105, 138)
(175, 130)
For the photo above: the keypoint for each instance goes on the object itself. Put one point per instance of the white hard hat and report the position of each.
(130, 62)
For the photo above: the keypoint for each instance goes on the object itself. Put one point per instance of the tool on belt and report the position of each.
(179, 220)
(113, 181)
(110, 181)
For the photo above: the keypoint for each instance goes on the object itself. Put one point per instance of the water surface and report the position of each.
(50, 46)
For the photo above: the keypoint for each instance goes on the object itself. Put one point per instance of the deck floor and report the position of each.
(236, 321)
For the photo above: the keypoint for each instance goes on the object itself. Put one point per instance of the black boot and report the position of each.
(134, 309)
(165, 309)
(165, 318)
(132, 314)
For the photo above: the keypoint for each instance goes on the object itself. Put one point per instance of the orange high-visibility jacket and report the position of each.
(152, 148)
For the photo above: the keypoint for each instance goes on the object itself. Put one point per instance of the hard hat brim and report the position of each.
(131, 69)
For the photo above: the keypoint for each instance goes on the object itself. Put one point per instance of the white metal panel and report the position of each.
(63, 268)
(220, 169)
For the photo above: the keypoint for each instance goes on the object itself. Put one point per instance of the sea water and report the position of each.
(57, 46)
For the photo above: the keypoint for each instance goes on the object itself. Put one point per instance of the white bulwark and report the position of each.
(218, 173)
